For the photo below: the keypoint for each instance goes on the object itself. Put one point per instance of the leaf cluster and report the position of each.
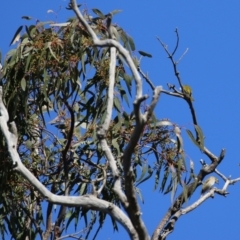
(55, 84)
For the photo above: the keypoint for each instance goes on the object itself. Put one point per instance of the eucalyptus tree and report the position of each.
(77, 132)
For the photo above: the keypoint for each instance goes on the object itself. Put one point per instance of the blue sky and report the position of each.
(211, 31)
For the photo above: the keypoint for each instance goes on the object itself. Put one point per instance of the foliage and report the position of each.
(55, 71)
(86, 136)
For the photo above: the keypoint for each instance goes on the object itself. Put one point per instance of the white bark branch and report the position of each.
(201, 200)
(196, 204)
(171, 224)
(117, 188)
(112, 68)
(114, 45)
(111, 43)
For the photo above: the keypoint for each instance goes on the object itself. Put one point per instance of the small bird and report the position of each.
(207, 185)
(187, 91)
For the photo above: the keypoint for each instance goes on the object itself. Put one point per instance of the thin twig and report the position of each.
(146, 78)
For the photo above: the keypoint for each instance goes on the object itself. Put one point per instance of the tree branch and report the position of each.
(111, 43)
(102, 130)
(165, 225)
(146, 78)
(163, 232)
(87, 201)
(133, 209)
(171, 224)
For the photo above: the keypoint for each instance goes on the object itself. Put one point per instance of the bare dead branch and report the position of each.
(172, 94)
(177, 74)
(146, 78)
(170, 56)
(176, 47)
(210, 155)
(182, 56)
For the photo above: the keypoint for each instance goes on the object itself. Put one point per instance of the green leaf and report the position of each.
(84, 214)
(24, 44)
(181, 162)
(131, 43)
(40, 24)
(169, 187)
(70, 8)
(27, 62)
(16, 35)
(185, 193)
(26, 52)
(117, 104)
(26, 17)
(174, 186)
(23, 84)
(33, 30)
(136, 62)
(11, 53)
(60, 24)
(28, 32)
(165, 177)
(192, 189)
(200, 135)
(46, 80)
(70, 216)
(98, 12)
(161, 123)
(193, 139)
(12, 56)
(128, 81)
(114, 223)
(144, 170)
(116, 145)
(145, 54)
(48, 45)
(177, 131)
(83, 189)
(123, 93)
(157, 175)
(138, 191)
(127, 40)
(123, 36)
(150, 172)
(83, 63)
(115, 12)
